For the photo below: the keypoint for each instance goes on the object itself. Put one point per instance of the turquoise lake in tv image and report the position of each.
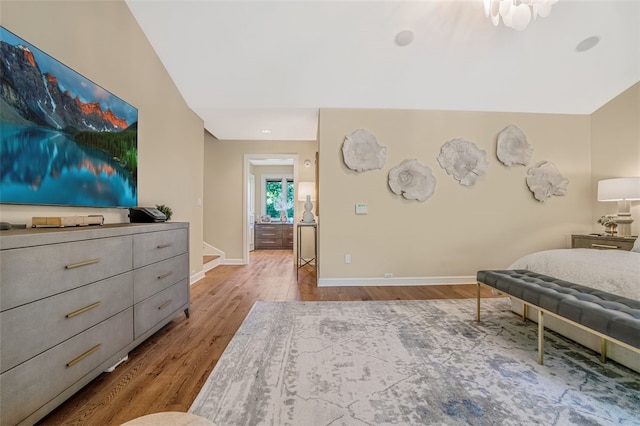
(43, 166)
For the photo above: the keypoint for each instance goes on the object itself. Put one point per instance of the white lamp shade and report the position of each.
(619, 189)
(306, 188)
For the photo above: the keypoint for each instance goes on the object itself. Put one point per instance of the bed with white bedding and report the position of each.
(613, 271)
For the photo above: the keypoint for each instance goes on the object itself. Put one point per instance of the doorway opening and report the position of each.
(250, 215)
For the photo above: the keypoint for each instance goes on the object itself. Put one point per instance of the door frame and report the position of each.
(251, 201)
(245, 196)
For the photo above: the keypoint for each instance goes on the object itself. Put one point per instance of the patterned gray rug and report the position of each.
(408, 363)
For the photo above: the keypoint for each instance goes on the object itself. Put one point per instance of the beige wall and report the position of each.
(102, 41)
(460, 229)
(223, 175)
(615, 130)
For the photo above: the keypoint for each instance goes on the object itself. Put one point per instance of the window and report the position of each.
(273, 199)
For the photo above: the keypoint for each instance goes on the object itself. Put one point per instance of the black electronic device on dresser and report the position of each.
(146, 215)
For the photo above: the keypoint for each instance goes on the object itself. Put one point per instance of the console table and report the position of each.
(74, 302)
(300, 260)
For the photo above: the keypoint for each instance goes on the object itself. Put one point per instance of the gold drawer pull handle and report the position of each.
(165, 275)
(84, 355)
(604, 246)
(82, 310)
(165, 304)
(85, 263)
(165, 245)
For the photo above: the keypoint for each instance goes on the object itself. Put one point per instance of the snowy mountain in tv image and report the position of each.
(45, 92)
(64, 140)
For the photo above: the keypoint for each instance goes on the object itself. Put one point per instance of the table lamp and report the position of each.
(622, 190)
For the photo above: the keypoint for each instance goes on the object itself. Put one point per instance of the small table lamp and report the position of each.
(622, 190)
(306, 192)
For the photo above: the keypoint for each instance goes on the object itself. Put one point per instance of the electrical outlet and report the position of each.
(388, 275)
(347, 258)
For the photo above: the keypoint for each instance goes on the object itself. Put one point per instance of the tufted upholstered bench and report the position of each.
(612, 318)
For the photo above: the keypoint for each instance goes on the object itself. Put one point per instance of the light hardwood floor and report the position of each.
(166, 372)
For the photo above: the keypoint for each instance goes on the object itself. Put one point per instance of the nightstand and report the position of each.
(602, 242)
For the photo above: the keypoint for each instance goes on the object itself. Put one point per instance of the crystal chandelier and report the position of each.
(516, 13)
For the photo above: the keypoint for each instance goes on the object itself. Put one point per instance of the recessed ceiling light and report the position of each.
(587, 44)
(404, 38)
(266, 131)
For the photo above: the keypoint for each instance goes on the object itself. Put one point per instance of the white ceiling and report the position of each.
(247, 66)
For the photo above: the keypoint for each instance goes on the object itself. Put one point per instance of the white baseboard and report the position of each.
(233, 262)
(196, 277)
(210, 265)
(400, 281)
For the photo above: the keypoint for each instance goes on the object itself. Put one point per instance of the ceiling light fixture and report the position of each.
(266, 131)
(516, 14)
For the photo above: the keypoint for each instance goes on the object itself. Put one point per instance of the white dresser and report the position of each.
(75, 301)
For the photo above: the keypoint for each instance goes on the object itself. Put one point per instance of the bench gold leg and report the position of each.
(540, 336)
(525, 308)
(603, 350)
(478, 303)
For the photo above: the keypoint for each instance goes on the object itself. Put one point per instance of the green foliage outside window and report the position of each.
(273, 191)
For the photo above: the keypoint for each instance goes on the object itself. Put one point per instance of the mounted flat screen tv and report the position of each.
(64, 140)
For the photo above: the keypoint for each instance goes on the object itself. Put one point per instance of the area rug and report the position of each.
(409, 363)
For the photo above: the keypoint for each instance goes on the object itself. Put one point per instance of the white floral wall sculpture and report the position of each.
(544, 180)
(361, 151)
(463, 160)
(512, 147)
(413, 180)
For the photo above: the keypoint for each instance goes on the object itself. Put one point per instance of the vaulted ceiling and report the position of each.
(261, 69)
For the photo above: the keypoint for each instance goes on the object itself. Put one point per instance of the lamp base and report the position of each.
(307, 216)
(624, 225)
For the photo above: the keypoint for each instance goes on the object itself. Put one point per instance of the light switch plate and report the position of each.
(361, 208)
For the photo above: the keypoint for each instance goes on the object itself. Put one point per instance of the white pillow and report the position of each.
(636, 246)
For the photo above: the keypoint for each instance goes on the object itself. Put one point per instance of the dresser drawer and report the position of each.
(287, 242)
(159, 306)
(288, 232)
(31, 329)
(155, 277)
(269, 231)
(30, 385)
(153, 247)
(268, 243)
(33, 273)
